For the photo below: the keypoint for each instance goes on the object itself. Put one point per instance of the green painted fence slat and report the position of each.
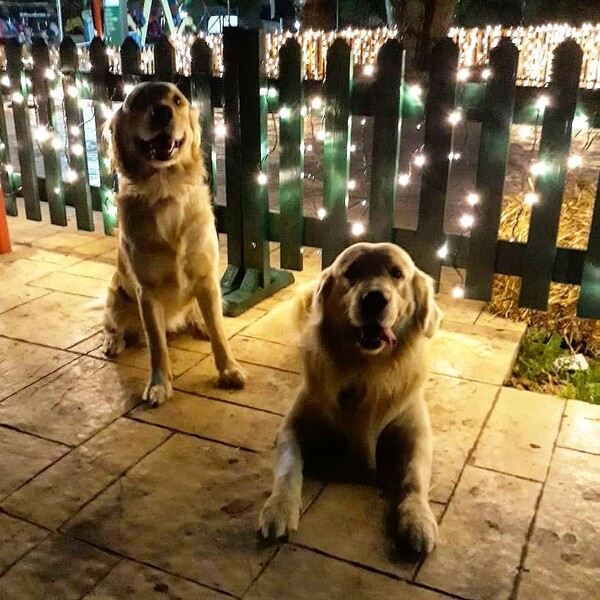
(387, 124)
(201, 96)
(291, 163)
(77, 174)
(46, 80)
(437, 146)
(102, 111)
(6, 178)
(554, 151)
(131, 60)
(164, 59)
(336, 151)
(588, 306)
(491, 168)
(233, 161)
(29, 182)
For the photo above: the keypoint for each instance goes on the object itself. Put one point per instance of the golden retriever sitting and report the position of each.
(363, 383)
(168, 248)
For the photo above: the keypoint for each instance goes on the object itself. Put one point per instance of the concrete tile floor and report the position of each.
(103, 498)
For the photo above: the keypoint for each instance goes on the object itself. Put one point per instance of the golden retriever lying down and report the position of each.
(168, 264)
(364, 350)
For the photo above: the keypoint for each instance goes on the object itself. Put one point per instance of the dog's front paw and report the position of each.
(279, 516)
(417, 524)
(233, 377)
(157, 393)
(113, 344)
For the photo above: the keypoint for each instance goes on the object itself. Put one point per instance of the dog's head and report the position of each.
(154, 129)
(376, 294)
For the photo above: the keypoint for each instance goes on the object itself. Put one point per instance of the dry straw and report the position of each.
(575, 220)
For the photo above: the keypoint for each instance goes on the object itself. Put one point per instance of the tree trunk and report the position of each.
(318, 14)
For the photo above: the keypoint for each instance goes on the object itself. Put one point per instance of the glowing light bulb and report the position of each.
(9, 169)
(454, 117)
(107, 111)
(303, 111)
(415, 91)
(285, 112)
(56, 191)
(442, 251)
(5, 81)
(472, 199)
(308, 147)
(321, 134)
(77, 149)
(463, 74)
(321, 213)
(580, 122)
(357, 229)
(486, 74)
(42, 134)
(466, 221)
(351, 184)
(71, 176)
(316, 102)
(458, 292)
(404, 179)
(221, 130)
(363, 122)
(368, 70)
(523, 132)
(419, 160)
(542, 102)
(56, 143)
(72, 91)
(538, 168)
(49, 74)
(128, 88)
(574, 161)
(262, 179)
(352, 147)
(18, 98)
(74, 131)
(531, 198)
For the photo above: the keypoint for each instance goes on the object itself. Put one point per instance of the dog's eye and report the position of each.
(177, 101)
(350, 273)
(396, 273)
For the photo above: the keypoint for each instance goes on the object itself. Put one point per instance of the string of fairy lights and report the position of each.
(45, 136)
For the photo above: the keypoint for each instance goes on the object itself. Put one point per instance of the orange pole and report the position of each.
(4, 237)
(97, 17)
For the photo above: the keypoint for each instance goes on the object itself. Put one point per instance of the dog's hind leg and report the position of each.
(231, 375)
(195, 324)
(121, 316)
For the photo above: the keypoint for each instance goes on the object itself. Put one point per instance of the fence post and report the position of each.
(49, 140)
(29, 181)
(201, 78)
(259, 280)
(6, 183)
(588, 306)
(497, 118)
(102, 111)
(164, 59)
(387, 124)
(436, 148)
(131, 60)
(291, 154)
(336, 150)
(540, 251)
(77, 175)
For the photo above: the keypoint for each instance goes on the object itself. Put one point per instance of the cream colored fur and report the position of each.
(167, 276)
(386, 385)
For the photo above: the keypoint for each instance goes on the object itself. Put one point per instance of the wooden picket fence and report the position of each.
(246, 217)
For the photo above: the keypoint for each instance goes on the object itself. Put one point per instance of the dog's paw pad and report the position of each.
(279, 517)
(417, 524)
(113, 345)
(232, 378)
(156, 394)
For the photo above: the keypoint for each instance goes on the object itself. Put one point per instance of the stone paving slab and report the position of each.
(580, 429)
(57, 319)
(18, 271)
(190, 508)
(59, 567)
(17, 537)
(132, 581)
(68, 283)
(92, 268)
(481, 536)
(22, 456)
(268, 354)
(299, 574)
(76, 401)
(22, 364)
(56, 494)
(17, 295)
(563, 559)
(267, 389)
(511, 443)
(215, 420)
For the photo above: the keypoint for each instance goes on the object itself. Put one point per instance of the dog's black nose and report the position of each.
(162, 114)
(372, 304)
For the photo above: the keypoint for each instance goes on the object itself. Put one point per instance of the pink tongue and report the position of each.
(388, 337)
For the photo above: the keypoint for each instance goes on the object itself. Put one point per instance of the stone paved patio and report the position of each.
(102, 498)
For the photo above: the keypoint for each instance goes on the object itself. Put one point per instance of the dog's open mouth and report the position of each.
(161, 147)
(373, 335)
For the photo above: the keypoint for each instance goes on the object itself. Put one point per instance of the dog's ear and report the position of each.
(109, 137)
(196, 133)
(322, 291)
(427, 313)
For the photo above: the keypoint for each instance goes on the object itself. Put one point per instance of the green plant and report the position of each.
(539, 349)
(584, 385)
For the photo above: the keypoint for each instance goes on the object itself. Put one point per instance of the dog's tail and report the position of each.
(297, 309)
